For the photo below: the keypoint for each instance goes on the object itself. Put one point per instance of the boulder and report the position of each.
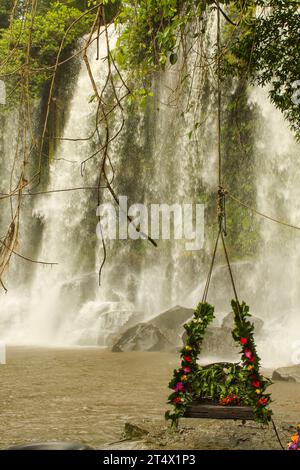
(172, 319)
(143, 337)
(162, 333)
(228, 322)
(287, 374)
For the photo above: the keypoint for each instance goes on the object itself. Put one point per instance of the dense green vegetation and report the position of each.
(257, 36)
(45, 38)
(265, 50)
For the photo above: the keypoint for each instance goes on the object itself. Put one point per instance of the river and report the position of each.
(87, 394)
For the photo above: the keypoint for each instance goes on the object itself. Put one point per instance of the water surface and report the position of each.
(87, 394)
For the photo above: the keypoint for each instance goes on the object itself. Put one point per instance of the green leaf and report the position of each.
(173, 58)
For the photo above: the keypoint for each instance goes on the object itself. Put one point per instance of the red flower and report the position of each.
(243, 341)
(262, 401)
(177, 400)
(256, 383)
(187, 359)
(231, 399)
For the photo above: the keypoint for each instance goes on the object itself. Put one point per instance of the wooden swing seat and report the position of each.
(209, 409)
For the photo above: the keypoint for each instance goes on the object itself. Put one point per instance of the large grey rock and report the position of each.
(228, 322)
(161, 333)
(287, 374)
(143, 337)
(172, 319)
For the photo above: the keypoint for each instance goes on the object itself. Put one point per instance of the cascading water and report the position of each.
(277, 269)
(68, 236)
(166, 154)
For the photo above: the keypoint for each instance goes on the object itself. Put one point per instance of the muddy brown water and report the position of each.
(87, 394)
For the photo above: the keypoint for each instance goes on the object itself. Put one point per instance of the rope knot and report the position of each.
(221, 210)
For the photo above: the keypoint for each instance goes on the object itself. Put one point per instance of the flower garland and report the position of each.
(183, 378)
(252, 384)
(256, 384)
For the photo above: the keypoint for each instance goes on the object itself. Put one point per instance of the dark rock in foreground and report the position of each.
(287, 374)
(132, 431)
(52, 445)
(143, 337)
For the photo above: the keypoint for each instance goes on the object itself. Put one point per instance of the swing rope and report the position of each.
(221, 198)
(221, 195)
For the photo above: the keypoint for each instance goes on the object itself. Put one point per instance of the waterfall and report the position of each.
(165, 154)
(37, 313)
(277, 270)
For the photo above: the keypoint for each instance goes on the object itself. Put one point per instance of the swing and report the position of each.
(219, 391)
(199, 392)
(209, 407)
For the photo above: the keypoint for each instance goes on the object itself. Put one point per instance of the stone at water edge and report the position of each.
(143, 337)
(132, 431)
(287, 374)
(161, 333)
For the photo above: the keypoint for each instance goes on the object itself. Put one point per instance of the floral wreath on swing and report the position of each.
(244, 384)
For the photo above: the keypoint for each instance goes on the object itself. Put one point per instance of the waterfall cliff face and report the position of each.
(165, 154)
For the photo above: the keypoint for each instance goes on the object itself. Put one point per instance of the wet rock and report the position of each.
(133, 432)
(143, 337)
(171, 323)
(228, 322)
(161, 333)
(287, 374)
(173, 318)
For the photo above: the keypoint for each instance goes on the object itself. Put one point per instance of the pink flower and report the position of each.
(186, 370)
(248, 354)
(179, 387)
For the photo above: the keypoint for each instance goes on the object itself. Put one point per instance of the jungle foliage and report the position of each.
(260, 40)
